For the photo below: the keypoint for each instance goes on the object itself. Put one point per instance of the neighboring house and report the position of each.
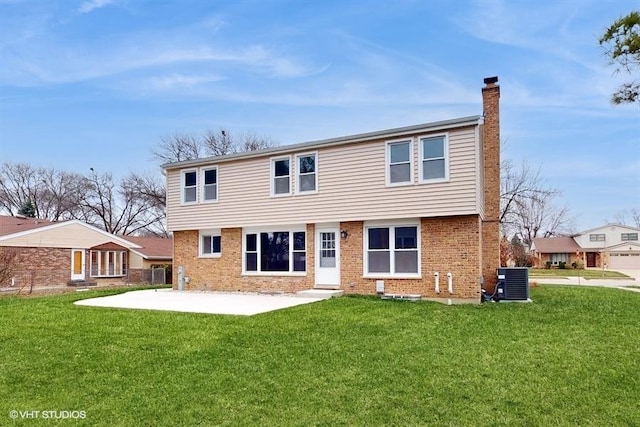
(392, 207)
(73, 252)
(612, 246)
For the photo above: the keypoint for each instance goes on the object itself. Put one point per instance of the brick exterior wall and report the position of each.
(51, 267)
(491, 173)
(225, 273)
(41, 267)
(449, 244)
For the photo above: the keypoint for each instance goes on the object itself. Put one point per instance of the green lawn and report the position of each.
(572, 272)
(570, 358)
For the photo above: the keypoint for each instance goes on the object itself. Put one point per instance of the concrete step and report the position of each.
(320, 293)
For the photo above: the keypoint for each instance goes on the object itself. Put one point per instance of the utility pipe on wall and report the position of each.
(436, 275)
(450, 282)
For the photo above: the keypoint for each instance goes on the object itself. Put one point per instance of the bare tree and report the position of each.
(180, 147)
(119, 208)
(177, 147)
(8, 264)
(150, 189)
(538, 217)
(629, 217)
(527, 207)
(52, 194)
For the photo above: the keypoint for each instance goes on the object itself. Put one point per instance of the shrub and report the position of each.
(547, 265)
(562, 265)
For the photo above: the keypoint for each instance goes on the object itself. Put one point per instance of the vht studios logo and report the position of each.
(57, 415)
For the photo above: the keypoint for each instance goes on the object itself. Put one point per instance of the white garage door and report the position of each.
(621, 261)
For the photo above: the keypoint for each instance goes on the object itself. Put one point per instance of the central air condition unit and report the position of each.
(513, 284)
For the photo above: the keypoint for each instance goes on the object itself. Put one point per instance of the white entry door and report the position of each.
(327, 256)
(77, 264)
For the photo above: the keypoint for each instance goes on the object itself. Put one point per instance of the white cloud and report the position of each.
(90, 5)
(179, 81)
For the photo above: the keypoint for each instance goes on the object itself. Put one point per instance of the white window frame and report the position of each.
(298, 174)
(597, 237)
(290, 230)
(629, 237)
(123, 267)
(215, 232)
(392, 225)
(421, 158)
(388, 163)
(183, 186)
(272, 175)
(203, 170)
(557, 257)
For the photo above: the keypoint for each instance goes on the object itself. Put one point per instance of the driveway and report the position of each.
(632, 273)
(243, 304)
(607, 283)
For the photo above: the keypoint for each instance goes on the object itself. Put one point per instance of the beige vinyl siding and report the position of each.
(72, 235)
(351, 187)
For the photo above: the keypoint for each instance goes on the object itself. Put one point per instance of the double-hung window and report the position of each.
(434, 158)
(210, 243)
(210, 184)
(399, 162)
(281, 176)
(392, 251)
(307, 173)
(597, 237)
(628, 237)
(275, 252)
(189, 186)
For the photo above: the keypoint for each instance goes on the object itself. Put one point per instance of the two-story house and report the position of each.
(613, 246)
(388, 209)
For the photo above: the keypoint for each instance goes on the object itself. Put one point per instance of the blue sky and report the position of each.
(97, 83)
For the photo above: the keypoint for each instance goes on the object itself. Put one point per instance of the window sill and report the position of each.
(274, 273)
(433, 181)
(109, 277)
(399, 184)
(392, 276)
(210, 256)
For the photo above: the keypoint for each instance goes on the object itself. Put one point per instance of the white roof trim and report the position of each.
(602, 227)
(112, 237)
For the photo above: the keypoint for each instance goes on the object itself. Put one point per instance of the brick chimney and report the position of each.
(491, 173)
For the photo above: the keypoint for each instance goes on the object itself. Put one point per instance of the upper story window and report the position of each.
(307, 173)
(597, 237)
(281, 176)
(210, 243)
(210, 184)
(189, 186)
(399, 162)
(629, 237)
(434, 159)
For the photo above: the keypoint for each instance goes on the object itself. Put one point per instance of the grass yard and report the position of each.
(570, 358)
(572, 272)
